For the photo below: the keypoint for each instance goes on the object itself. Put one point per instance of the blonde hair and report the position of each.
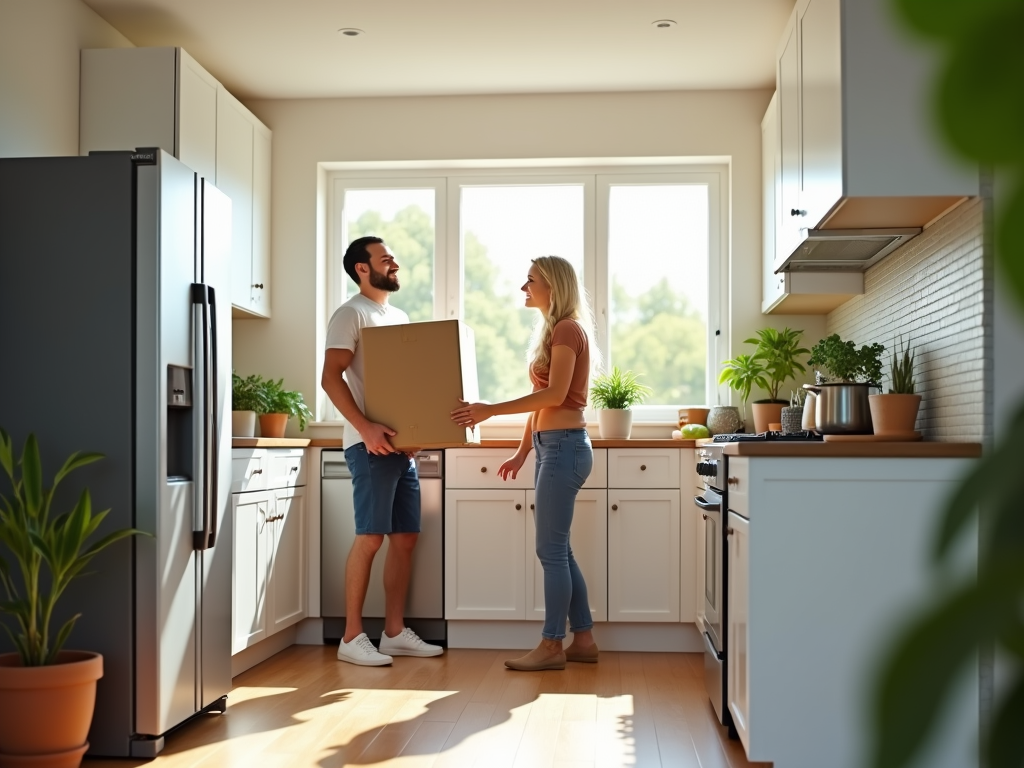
(568, 301)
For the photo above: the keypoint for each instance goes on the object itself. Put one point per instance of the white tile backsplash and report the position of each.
(934, 291)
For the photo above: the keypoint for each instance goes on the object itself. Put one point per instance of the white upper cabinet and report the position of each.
(793, 293)
(162, 97)
(856, 145)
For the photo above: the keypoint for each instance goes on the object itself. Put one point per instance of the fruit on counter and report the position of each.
(694, 432)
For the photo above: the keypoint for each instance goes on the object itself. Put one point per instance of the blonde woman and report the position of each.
(560, 372)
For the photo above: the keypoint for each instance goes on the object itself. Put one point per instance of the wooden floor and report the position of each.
(304, 708)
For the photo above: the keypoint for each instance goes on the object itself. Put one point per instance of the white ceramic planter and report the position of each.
(243, 423)
(614, 423)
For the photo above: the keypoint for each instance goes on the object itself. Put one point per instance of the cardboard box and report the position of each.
(415, 375)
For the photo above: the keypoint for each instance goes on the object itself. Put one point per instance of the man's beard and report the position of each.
(383, 281)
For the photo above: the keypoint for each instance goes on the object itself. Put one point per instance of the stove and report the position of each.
(788, 437)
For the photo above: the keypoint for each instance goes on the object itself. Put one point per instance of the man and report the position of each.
(386, 489)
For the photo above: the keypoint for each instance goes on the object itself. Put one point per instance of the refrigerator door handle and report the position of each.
(204, 518)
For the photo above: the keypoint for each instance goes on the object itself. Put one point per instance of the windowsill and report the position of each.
(511, 430)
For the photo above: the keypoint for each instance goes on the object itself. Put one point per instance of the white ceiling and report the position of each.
(280, 49)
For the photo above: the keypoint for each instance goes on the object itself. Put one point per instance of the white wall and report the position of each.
(39, 53)
(666, 124)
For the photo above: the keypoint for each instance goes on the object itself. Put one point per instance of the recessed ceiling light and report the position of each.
(351, 32)
(663, 24)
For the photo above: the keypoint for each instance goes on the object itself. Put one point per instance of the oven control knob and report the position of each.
(707, 469)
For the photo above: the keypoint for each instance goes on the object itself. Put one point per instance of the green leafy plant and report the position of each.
(247, 394)
(901, 371)
(35, 538)
(844, 362)
(618, 390)
(775, 352)
(979, 43)
(742, 373)
(277, 399)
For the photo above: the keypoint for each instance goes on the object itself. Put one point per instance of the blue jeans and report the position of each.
(565, 458)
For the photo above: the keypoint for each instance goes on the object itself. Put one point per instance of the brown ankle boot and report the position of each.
(587, 655)
(541, 657)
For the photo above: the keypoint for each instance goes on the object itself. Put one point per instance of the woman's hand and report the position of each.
(471, 414)
(510, 467)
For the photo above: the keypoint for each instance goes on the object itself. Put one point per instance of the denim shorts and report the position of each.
(385, 491)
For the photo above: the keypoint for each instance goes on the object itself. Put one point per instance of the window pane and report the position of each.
(404, 219)
(503, 228)
(658, 276)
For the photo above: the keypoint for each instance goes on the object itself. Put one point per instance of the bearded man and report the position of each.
(385, 486)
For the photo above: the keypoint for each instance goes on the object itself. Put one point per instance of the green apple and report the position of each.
(694, 431)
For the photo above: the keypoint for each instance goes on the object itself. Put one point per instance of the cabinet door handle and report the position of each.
(704, 516)
(483, 469)
(797, 212)
(519, 506)
(730, 531)
(643, 467)
(258, 285)
(614, 507)
(733, 481)
(295, 469)
(531, 506)
(256, 472)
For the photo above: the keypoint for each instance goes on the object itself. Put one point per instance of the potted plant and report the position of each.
(895, 413)
(841, 405)
(773, 363)
(278, 406)
(247, 399)
(47, 694)
(614, 394)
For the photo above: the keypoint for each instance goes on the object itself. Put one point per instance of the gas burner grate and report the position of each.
(791, 437)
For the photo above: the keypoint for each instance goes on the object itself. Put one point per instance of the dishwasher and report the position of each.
(424, 609)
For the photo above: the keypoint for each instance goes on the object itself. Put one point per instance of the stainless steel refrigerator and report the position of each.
(115, 336)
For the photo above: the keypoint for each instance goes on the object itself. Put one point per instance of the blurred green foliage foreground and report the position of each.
(980, 111)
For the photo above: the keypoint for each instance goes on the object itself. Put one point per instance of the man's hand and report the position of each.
(471, 414)
(375, 437)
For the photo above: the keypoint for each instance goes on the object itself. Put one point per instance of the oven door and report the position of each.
(710, 505)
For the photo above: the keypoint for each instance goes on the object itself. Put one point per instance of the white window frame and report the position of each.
(596, 179)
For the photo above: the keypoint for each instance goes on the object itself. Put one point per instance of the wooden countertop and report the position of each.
(270, 442)
(866, 450)
(598, 443)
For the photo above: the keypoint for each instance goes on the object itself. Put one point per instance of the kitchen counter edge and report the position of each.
(869, 450)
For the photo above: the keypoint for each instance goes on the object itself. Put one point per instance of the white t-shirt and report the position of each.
(343, 333)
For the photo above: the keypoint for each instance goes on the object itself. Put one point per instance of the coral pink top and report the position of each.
(568, 333)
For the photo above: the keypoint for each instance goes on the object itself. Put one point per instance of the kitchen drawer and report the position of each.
(738, 482)
(643, 468)
(248, 472)
(286, 467)
(478, 468)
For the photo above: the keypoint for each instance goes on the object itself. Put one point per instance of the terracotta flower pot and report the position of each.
(765, 414)
(47, 711)
(615, 423)
(273, 424)
(894, 414)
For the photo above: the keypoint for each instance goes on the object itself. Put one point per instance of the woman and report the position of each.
(559, 371)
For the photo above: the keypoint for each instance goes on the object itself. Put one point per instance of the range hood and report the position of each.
(844, 250)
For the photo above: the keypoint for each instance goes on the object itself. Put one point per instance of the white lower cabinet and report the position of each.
(643, 555)
(269, 580)
(485, 554)
(739, 600)
(286, 584)
(249, 513)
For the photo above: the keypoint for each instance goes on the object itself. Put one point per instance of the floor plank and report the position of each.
(304, 709)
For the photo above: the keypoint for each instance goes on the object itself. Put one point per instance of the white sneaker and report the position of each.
(408, 643)
(361, 651)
